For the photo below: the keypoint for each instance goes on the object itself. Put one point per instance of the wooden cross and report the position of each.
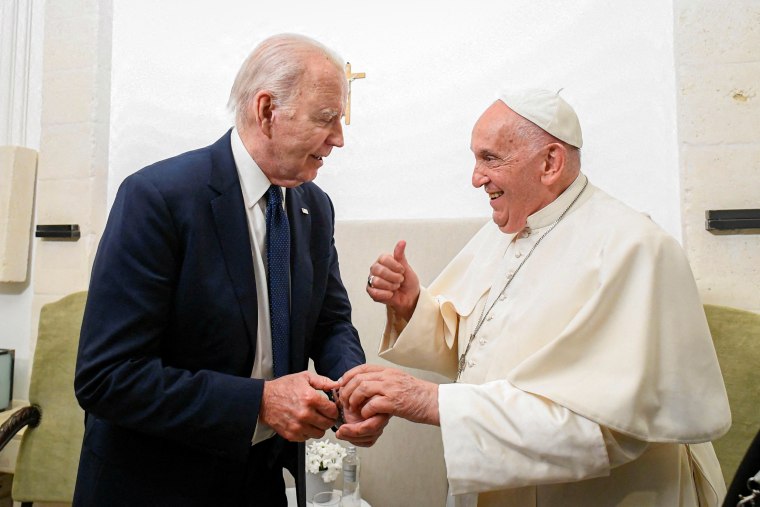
(351, 77)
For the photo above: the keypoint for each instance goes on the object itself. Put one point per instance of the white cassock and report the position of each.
(592, 382)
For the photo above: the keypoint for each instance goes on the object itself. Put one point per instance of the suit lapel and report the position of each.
(231, 222)
(301, 274)
(232, 230)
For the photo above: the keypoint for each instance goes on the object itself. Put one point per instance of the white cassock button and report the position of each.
(525, 233)
(502, 298)
(483, 341)
(471, 363)
(489, 318)
(518, 254)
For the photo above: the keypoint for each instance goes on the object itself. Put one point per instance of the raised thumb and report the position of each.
(399, 253)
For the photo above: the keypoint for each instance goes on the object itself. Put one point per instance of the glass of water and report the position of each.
(326, 499)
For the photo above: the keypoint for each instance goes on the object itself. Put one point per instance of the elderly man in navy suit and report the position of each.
(215, 281)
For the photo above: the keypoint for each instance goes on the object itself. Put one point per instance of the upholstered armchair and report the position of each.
(736, 334)
(48, 456)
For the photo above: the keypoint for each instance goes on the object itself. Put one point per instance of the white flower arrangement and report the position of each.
(326, 457)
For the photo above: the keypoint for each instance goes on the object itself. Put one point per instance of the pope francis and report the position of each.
(585, 371)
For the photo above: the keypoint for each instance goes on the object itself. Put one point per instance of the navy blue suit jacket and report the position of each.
(169, 335)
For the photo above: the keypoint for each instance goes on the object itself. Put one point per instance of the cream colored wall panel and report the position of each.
(63, 9)
(54, 280)
(717, 47)
(722, 177)
(64, 202)
(721, 32)
(18, 167)
(61, 267)
(71, 43)
(719, 103)
(726, 266)
(66, 151)
(69, 96)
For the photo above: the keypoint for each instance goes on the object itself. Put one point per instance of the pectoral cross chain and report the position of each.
(462, 358)
(461, 366)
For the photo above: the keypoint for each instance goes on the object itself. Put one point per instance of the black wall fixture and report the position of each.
(67, 232)
(729, 220)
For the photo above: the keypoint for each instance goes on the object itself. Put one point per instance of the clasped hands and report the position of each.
(371, 391)
(296, 408)
(368, 391)
(369, 395)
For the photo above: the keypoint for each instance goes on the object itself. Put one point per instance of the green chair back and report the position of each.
(48, 458)
(736, 334)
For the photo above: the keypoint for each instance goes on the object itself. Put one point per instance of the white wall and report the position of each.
(21, 31)
(432, 67)
(718, 66)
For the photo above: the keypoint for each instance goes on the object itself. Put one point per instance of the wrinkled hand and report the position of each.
(394, 282)
(294, 406)
(362, 432)
(370, 390)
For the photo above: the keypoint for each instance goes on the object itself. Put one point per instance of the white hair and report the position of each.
(536, 138)
(276, 65)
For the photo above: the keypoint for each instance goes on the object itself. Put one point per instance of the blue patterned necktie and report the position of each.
(278, 263)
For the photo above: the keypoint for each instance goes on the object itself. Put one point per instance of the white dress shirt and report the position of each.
(254, 185)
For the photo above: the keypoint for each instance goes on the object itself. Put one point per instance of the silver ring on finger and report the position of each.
(369, 280)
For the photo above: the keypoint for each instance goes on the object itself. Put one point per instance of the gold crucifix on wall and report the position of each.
(351, 76)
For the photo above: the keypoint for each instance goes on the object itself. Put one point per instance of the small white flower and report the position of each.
(326, 457)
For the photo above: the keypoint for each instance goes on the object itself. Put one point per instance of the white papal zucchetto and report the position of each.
(548, 111)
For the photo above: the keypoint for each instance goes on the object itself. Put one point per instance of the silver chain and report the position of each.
(484, 313)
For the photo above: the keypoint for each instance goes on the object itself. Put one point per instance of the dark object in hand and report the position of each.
(334, 396)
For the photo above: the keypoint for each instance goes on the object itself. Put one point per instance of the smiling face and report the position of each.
(305, 130)
(508, 167)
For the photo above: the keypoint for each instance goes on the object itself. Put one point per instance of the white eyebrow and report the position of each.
(329, 113)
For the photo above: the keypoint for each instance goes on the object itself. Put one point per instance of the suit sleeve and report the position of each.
(337, 347)
(120, 376)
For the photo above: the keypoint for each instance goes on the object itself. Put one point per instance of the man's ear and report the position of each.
(262, 107)
(554, 167)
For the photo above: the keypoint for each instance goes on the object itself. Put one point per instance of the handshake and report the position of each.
(359, 404)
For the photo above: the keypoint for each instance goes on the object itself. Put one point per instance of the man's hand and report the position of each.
(361, 432)
(294, 406)
(394, 282)
(370, 390)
